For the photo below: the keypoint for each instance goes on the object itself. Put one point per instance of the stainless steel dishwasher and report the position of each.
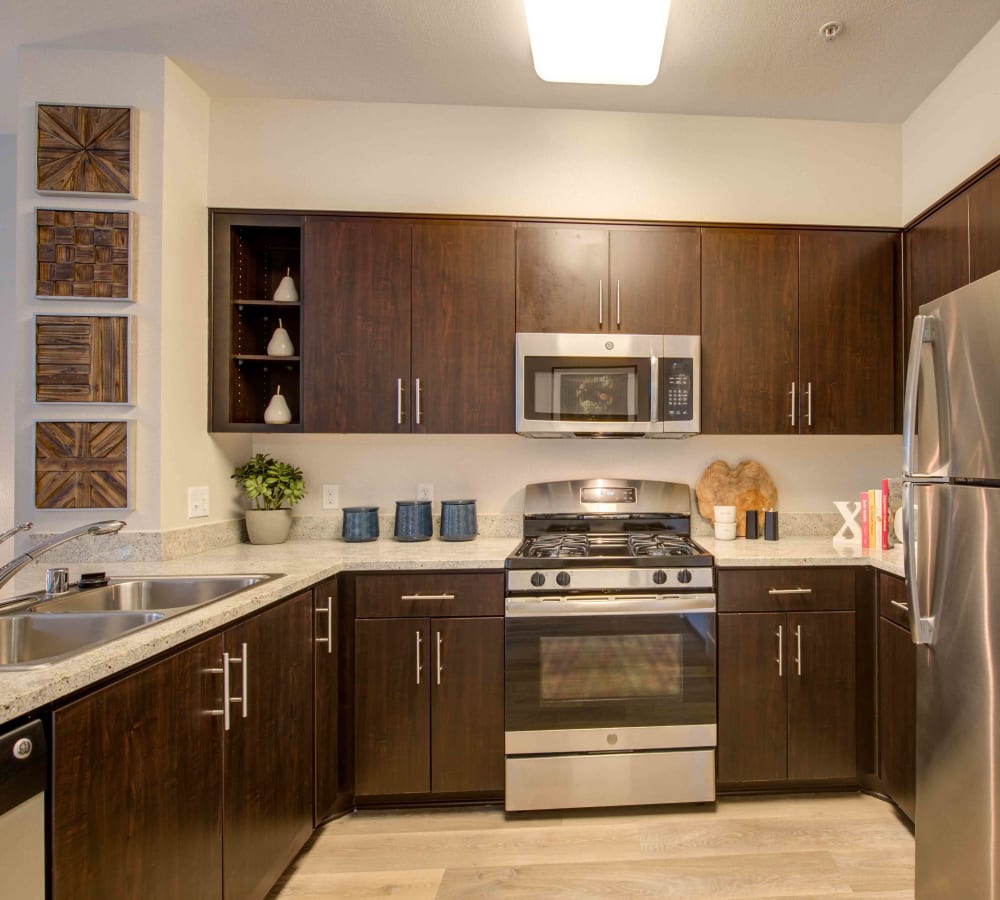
(23, 771)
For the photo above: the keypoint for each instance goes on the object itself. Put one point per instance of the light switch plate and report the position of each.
(197, 502)
(331, 496)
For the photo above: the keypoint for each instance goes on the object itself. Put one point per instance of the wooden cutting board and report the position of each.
(747, 486)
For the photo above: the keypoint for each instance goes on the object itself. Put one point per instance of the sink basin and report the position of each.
(167, 595)
(30, 641)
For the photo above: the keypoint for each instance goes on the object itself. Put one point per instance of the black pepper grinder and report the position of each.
(770, 524)
(753, 532)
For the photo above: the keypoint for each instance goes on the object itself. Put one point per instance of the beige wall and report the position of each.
(284, 154)
(8, 365)
(956, 130)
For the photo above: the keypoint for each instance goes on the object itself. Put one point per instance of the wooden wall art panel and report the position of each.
(81, 465)
(84, 149)
(83, 254)
(82, 359)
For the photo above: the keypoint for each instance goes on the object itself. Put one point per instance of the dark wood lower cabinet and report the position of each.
(897, 718)
(137, 784)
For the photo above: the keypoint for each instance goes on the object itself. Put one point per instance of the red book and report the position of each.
(865, 521)
(885, 514)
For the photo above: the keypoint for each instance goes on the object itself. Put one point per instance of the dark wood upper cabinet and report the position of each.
(847, 298)
(137, 784)
(463, 328)
(562, 279)
(984, 225)
(622, 280)
(749, 329)
(356, 339)
(937, 253)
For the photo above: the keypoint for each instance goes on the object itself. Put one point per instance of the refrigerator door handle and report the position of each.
(921, 627)
(926, 330)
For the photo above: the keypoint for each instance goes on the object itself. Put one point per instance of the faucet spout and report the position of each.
(7, 535)
(8, 571)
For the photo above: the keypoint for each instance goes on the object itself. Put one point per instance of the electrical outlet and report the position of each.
(331, 496)
(425, 491)
(197, 502)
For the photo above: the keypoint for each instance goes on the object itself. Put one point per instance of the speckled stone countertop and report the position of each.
(306, 562)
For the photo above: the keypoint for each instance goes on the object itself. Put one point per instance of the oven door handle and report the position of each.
(602, 605)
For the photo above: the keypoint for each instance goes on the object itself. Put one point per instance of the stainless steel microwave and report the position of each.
(608, 385)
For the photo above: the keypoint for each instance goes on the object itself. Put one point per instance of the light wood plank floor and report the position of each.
(821, 846)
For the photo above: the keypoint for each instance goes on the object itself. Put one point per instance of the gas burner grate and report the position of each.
(660, 545)
(559, 546)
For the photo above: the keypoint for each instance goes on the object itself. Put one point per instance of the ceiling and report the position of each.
(722, 57)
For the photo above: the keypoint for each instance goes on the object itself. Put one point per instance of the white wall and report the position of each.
(189, 455)
(285, 154)
(956, 130)
(8, 366)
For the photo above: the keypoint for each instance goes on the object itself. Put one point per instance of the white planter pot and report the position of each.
(268, 526)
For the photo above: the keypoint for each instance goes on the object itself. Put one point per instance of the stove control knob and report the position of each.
(537, 579)
(684, 576)
(562, 579)
(659, 577)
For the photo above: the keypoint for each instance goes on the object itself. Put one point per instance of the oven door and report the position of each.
(607, 673)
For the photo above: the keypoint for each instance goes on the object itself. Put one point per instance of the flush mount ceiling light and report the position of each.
(597, 41)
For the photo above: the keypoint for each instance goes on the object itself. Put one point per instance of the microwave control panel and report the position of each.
(677, 389)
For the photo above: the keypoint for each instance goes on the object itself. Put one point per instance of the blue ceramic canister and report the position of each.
(360, 524)
(458, 520)
(413, 520)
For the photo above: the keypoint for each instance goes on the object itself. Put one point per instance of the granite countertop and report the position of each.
(305, 562)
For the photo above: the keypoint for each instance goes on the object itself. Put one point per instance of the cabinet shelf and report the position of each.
(277, 303)
(261, 357)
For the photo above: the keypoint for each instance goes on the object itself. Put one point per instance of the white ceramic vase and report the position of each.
(280, 343)
(268, 526)
(286, 292)
(277, 412)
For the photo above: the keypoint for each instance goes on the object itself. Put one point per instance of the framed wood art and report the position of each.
(83, 254)
(83, 465)
(83, 359)
(85, 150)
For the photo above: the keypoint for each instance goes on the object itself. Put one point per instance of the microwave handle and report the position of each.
(654, 390)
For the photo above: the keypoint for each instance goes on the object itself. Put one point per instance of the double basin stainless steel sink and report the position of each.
(37, 630)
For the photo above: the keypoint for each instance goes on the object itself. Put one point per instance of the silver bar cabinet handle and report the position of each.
(600, 302)
(899, 605)
(419, 667)
(224, 672)
(399, 401)
(809, 403)
(798, 650)
(618, 304)
(779, 634)
(328, 609)
(791, 415)
(439, 667)
(427, 597)
(790, 591)
(419, 390)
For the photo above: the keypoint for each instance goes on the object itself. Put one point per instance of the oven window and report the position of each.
(569, 389)
(616, 667)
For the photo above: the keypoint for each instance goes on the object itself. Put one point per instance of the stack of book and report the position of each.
(875, 520)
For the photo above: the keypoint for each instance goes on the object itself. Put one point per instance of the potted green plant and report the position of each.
(273, 488)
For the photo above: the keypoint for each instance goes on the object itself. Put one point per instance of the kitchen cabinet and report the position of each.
(251, 252)
(799, 326)
(333, 652)
(787, 699)
(429, 685)
(984, 225)
(411, 326)
(897, 697)
(208, 811)
(622, 280)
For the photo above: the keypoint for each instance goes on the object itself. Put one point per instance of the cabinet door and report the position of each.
(356, 326)
(655, 281)
(467, 697)
(897, 695)
(269, 747)
(821, 696)
(562, 279)
(847, 294)
(753, 708)
(137, 784)
(392, 707)
(984, 225)
(463, 328)
(749, 331)
(334, 632)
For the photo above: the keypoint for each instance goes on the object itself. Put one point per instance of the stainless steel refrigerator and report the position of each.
(951, 522)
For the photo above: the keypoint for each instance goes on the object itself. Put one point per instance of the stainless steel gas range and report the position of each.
(610, 649)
